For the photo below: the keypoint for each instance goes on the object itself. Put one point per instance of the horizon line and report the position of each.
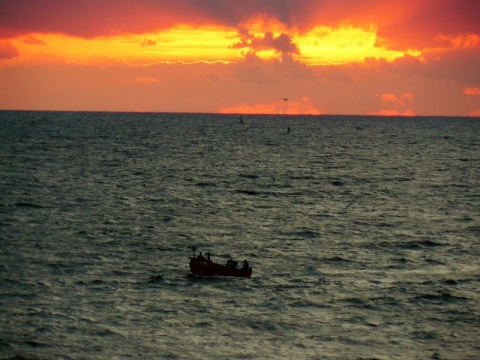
(237, 114)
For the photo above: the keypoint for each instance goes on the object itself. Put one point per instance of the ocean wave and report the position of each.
(442, 298)
(28, 205)
(337, 259)
(155, 279)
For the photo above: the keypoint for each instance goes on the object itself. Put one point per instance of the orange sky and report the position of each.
(396, 57)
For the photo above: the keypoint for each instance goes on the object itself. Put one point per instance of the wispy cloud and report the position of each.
(472, 91)
(146, 80)
(395, 105)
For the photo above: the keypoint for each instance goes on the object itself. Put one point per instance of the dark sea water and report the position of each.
(363, 234)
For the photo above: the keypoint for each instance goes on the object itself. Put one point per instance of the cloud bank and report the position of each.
(398, 57)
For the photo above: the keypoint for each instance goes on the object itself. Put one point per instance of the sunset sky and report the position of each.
(371, 57)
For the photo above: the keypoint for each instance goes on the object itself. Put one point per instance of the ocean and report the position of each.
(363, 234)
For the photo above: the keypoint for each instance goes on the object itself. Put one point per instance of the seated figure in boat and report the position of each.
(202, 259)
(245, 265)
(231, 263)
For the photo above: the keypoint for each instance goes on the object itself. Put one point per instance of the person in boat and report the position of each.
(245, 265)
(202, 260)
(231, 263)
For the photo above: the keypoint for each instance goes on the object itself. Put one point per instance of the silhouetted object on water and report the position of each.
(205, 267)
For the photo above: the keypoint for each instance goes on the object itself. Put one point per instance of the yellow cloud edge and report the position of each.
(183, 43)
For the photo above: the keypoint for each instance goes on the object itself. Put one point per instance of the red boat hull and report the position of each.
(204, 267)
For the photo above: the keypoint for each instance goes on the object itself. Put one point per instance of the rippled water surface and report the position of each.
(363, 234)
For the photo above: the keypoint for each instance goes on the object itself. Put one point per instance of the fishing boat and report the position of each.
(203, 266)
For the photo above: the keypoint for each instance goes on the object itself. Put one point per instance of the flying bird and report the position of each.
(284, 99)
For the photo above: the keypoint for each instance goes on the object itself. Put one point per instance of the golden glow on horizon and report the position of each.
(179, 44)
(295, 107)
(345, 44)
(182, 43)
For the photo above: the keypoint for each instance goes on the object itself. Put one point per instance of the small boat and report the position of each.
(201, 266)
